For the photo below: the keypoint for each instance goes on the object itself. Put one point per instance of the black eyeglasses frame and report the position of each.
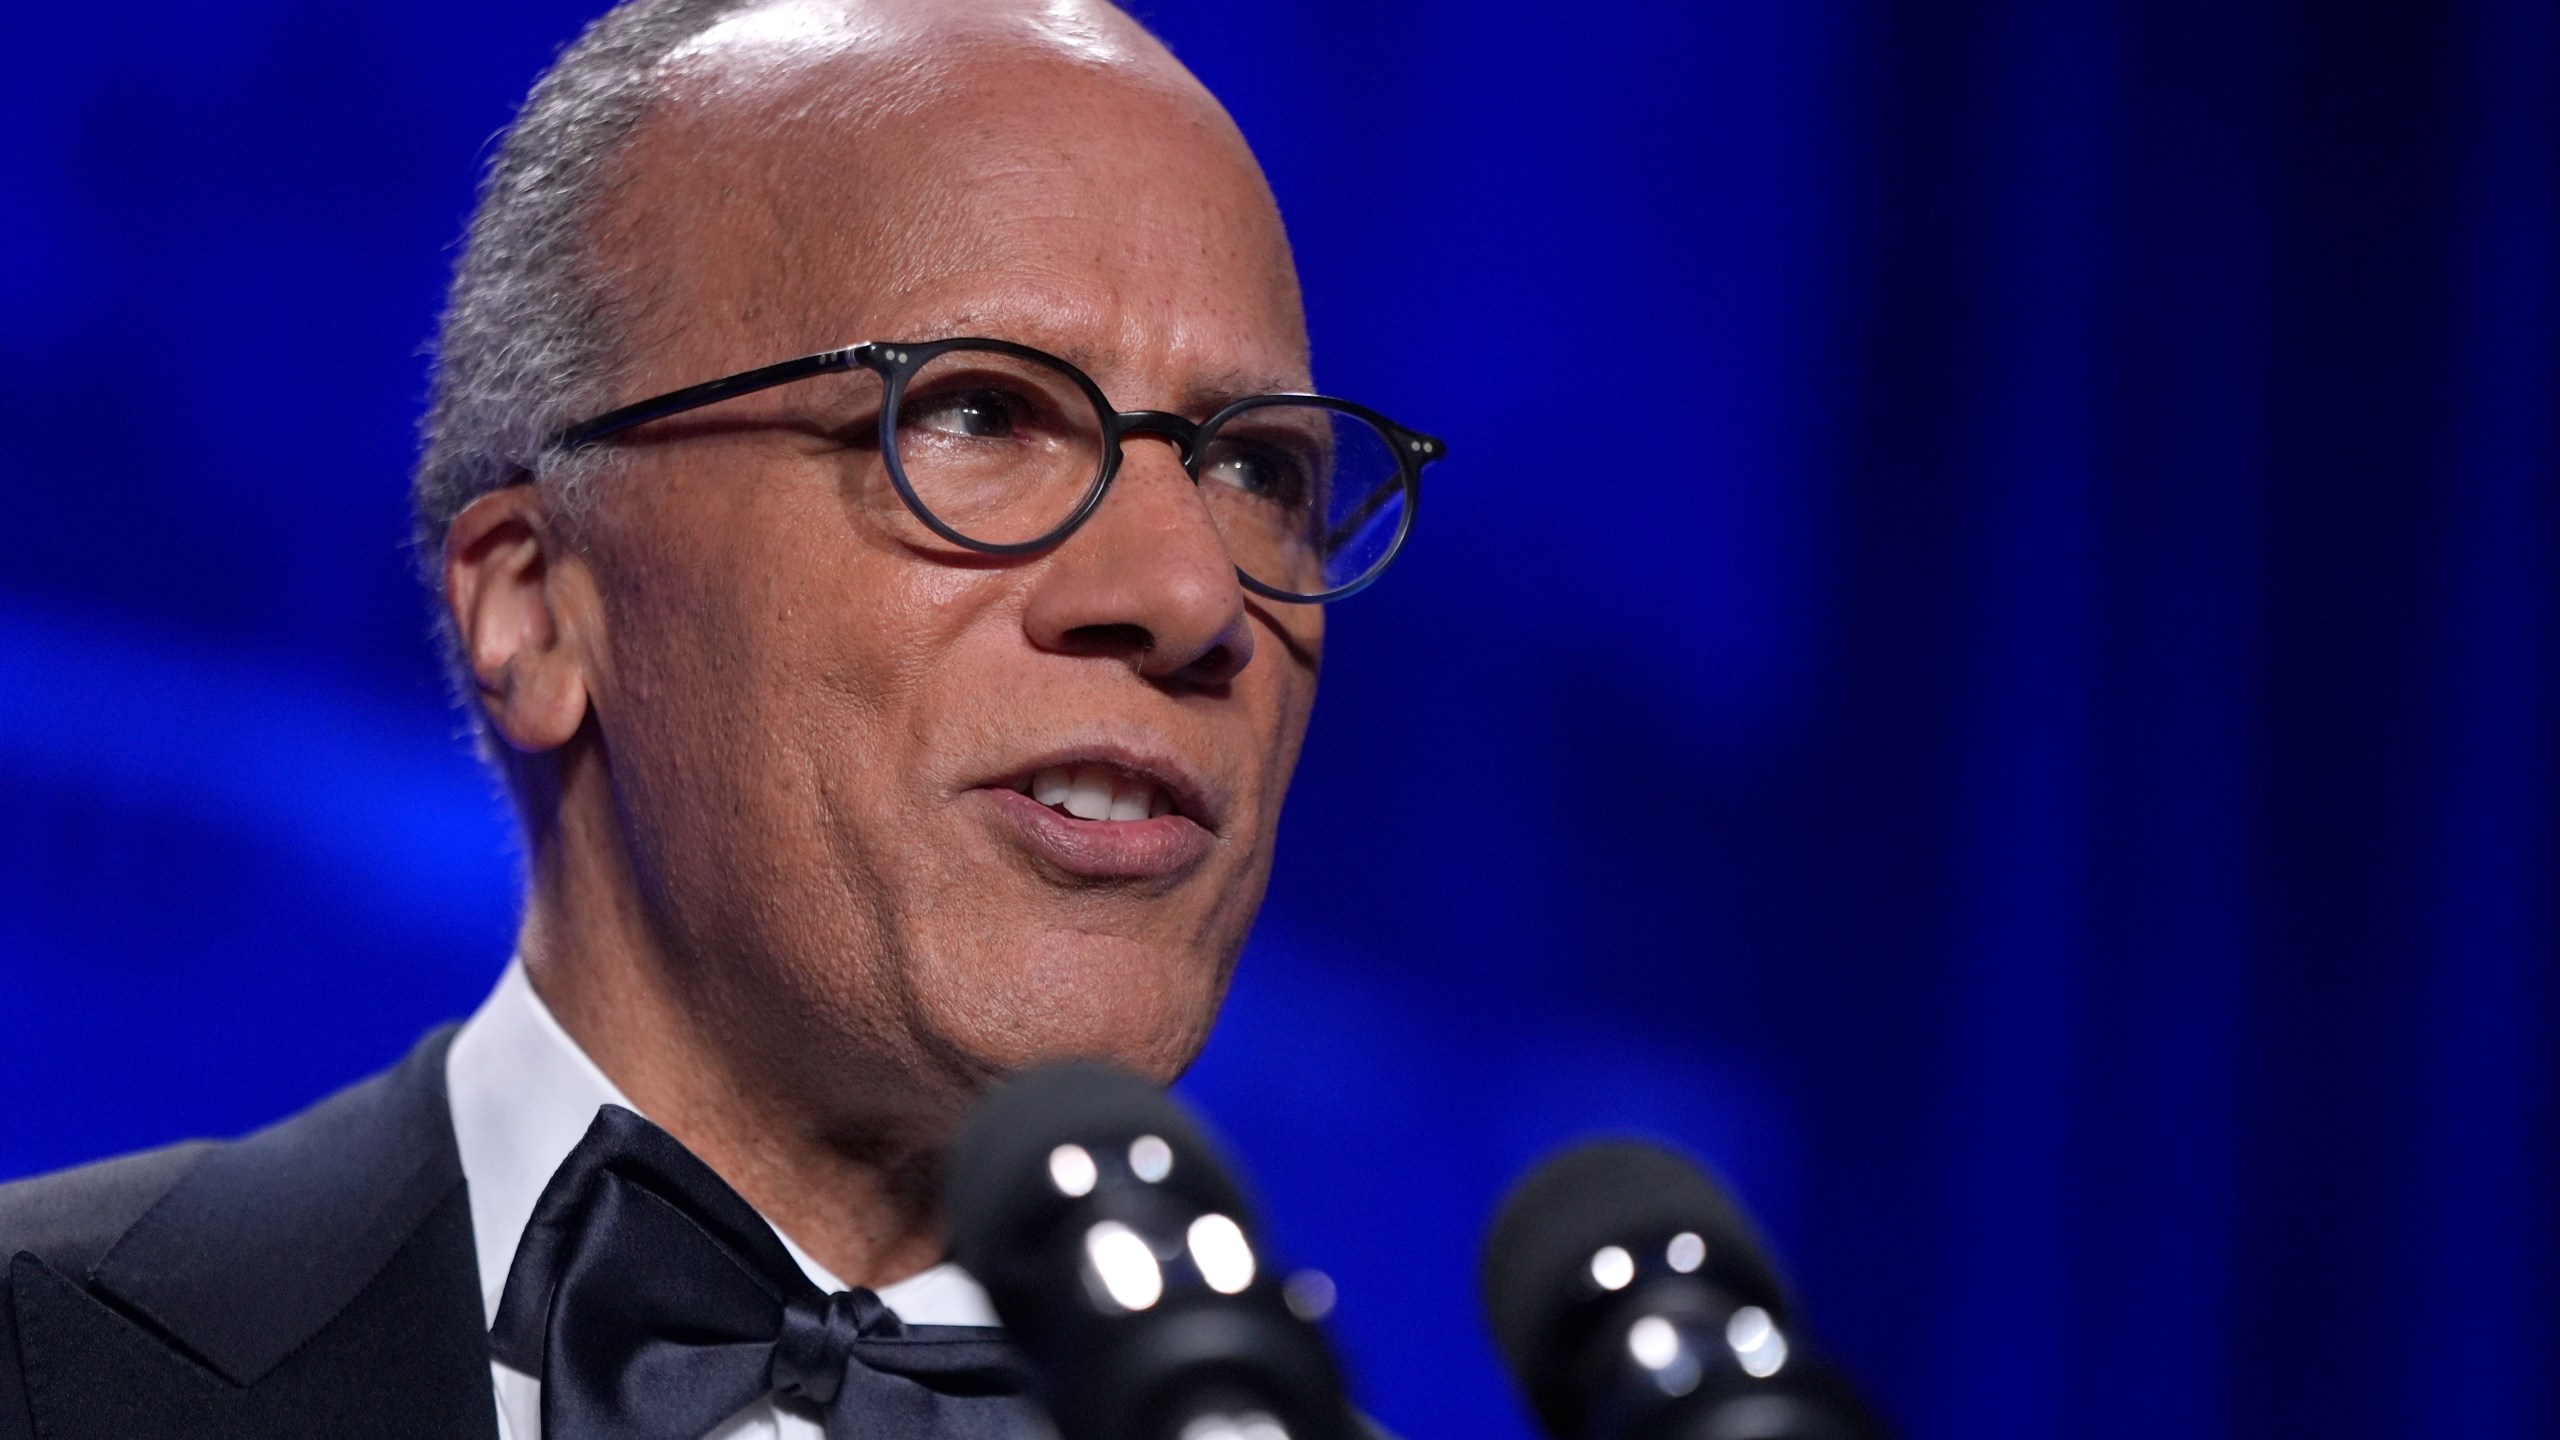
(898, 361)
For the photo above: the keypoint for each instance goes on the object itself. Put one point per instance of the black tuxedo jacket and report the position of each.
(316, 1279)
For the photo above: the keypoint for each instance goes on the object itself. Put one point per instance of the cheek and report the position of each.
(766, 668)
(784, 596)
(1295, 649)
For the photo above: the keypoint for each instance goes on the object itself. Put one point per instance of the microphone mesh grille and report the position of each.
(1602, 1193)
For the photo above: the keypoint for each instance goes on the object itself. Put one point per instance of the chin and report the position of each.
(1145, 1008)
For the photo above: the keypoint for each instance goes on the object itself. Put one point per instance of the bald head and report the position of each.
(981, 168)
(782, 34)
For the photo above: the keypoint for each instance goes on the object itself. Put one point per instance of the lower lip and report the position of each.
(1103, 849)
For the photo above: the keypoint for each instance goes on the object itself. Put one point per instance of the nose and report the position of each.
(1146, 579)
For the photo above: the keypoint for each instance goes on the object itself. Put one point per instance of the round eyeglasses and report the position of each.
(1005, 450)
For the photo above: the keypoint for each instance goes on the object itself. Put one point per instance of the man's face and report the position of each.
(824, 726)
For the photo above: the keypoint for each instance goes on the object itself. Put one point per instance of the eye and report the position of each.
(983, 413)
(1277, 474)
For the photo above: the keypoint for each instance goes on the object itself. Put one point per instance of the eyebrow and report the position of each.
(1200, 396)
(1216, 391)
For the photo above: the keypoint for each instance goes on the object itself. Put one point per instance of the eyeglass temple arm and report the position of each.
(694, 397)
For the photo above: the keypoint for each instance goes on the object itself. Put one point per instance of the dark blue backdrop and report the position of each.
(1987, 658)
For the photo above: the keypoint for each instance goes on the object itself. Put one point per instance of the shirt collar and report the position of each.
(523, 1093)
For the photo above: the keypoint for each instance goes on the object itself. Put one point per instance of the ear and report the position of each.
(503, 571)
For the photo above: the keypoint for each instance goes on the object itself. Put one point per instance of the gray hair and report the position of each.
(528, 343)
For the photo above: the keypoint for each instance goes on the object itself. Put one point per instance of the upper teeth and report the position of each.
(1098, 792)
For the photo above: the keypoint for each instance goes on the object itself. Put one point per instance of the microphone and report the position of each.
(1121, 1256)
(1632, 1299)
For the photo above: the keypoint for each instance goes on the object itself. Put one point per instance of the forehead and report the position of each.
(1104, 208)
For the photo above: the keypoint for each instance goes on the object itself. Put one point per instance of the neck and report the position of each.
(856, 1193)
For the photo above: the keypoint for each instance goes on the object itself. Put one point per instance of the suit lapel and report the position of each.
(314, 1279)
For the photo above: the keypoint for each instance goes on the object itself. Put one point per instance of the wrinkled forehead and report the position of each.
(816, 173)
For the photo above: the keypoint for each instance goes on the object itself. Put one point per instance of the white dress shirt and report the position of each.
(523, 1094)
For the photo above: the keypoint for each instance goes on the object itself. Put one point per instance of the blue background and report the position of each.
(1986, 659)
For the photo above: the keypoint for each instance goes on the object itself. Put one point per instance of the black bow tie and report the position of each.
(654, 1303)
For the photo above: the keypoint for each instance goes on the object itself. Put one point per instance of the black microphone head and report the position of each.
(1124, 1261)
(1633, 1299)
(1599, 1194)
(996, 1182)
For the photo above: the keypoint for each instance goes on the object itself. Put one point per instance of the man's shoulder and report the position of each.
(315, 1278)
(71, 1218)
(381, 1144)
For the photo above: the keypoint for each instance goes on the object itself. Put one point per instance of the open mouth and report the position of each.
(1103, 813)
(1098, 792)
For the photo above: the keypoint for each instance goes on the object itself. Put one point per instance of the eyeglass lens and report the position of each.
(1309, 498)
(1003, 449)
(999, 448)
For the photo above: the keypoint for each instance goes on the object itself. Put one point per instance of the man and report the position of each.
(878, 723)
